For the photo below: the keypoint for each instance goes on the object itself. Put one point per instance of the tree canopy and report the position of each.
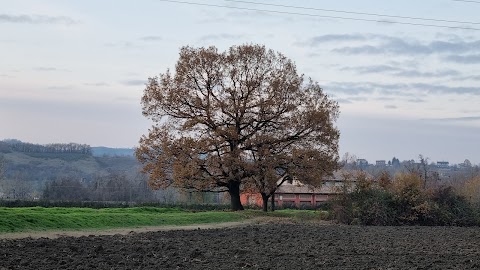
(243, 118)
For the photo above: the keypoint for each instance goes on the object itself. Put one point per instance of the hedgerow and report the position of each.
(403, 201)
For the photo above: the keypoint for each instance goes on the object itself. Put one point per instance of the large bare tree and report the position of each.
(225, 120)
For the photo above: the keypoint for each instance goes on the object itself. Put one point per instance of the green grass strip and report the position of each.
(25, 219)
(42, 219)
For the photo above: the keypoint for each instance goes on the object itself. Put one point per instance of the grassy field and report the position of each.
(38, 218)
(43, 219)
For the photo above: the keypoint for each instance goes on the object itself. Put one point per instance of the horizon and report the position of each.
(75, 71)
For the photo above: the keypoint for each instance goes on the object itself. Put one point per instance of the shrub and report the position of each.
(409, 198)
(451, 209)
(403, 202)
(366, 207)
(471, 190)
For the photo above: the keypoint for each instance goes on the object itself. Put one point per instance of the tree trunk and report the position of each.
(273, 202)
(234, 191)
(264, 202)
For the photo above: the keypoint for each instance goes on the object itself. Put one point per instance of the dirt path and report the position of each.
(126, 231)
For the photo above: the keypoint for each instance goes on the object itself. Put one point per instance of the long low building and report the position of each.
(295, 194)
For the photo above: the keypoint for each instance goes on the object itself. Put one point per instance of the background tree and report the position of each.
(349, 161)
(2, 166)
(113, 187)
(423, 166)
(66, 188)
(220, 112)
(395, 162)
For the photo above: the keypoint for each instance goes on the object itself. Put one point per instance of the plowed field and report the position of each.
(264, 246)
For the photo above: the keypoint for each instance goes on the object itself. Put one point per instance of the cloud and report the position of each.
(220, 37)
(464, 59)
(317, 40)
(349, 88)
(249, 17)
(151, 38)
(343, 101)
(454, 119)
(400, 72)
(134, 44)
(473, 78)
(48, 69)
(378, 44)
(391, 46)
(97, 84)
(444, 89)
(372, 69)
(36, 19)
(128, 99)
(121, 44)
(60, 87)
(366, 49)
(391, 107)
(336, 38)
(397, 89)
(256, 14)
(418, 74)
(134, 82)
(385, 98)
(45, 69)
(358, 98)
(416, 100)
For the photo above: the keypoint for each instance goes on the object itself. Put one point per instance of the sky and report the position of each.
(74, 71)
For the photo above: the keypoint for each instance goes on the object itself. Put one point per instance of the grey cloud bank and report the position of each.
(464, 59)
(151, 38)
(134, 82)
(36, 19)
(399, 46)
(398, 89)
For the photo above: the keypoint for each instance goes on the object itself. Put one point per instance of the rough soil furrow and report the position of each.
(254, 246)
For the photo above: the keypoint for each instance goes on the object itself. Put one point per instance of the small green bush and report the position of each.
(366, 207)
(451, 209)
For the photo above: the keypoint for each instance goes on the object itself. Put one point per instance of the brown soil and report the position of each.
(255, 246)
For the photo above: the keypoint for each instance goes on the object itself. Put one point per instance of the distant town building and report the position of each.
(443, 164)
(362, 163)
(381, 163)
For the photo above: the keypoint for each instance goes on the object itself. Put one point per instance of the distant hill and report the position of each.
(13, 145)
(35, 165)
(27, 173)
(112, 152)
(75, 172)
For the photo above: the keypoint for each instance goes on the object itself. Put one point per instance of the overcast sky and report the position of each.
(74, 71)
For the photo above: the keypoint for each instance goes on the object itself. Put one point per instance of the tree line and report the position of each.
(57, 148)
(112, 187)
